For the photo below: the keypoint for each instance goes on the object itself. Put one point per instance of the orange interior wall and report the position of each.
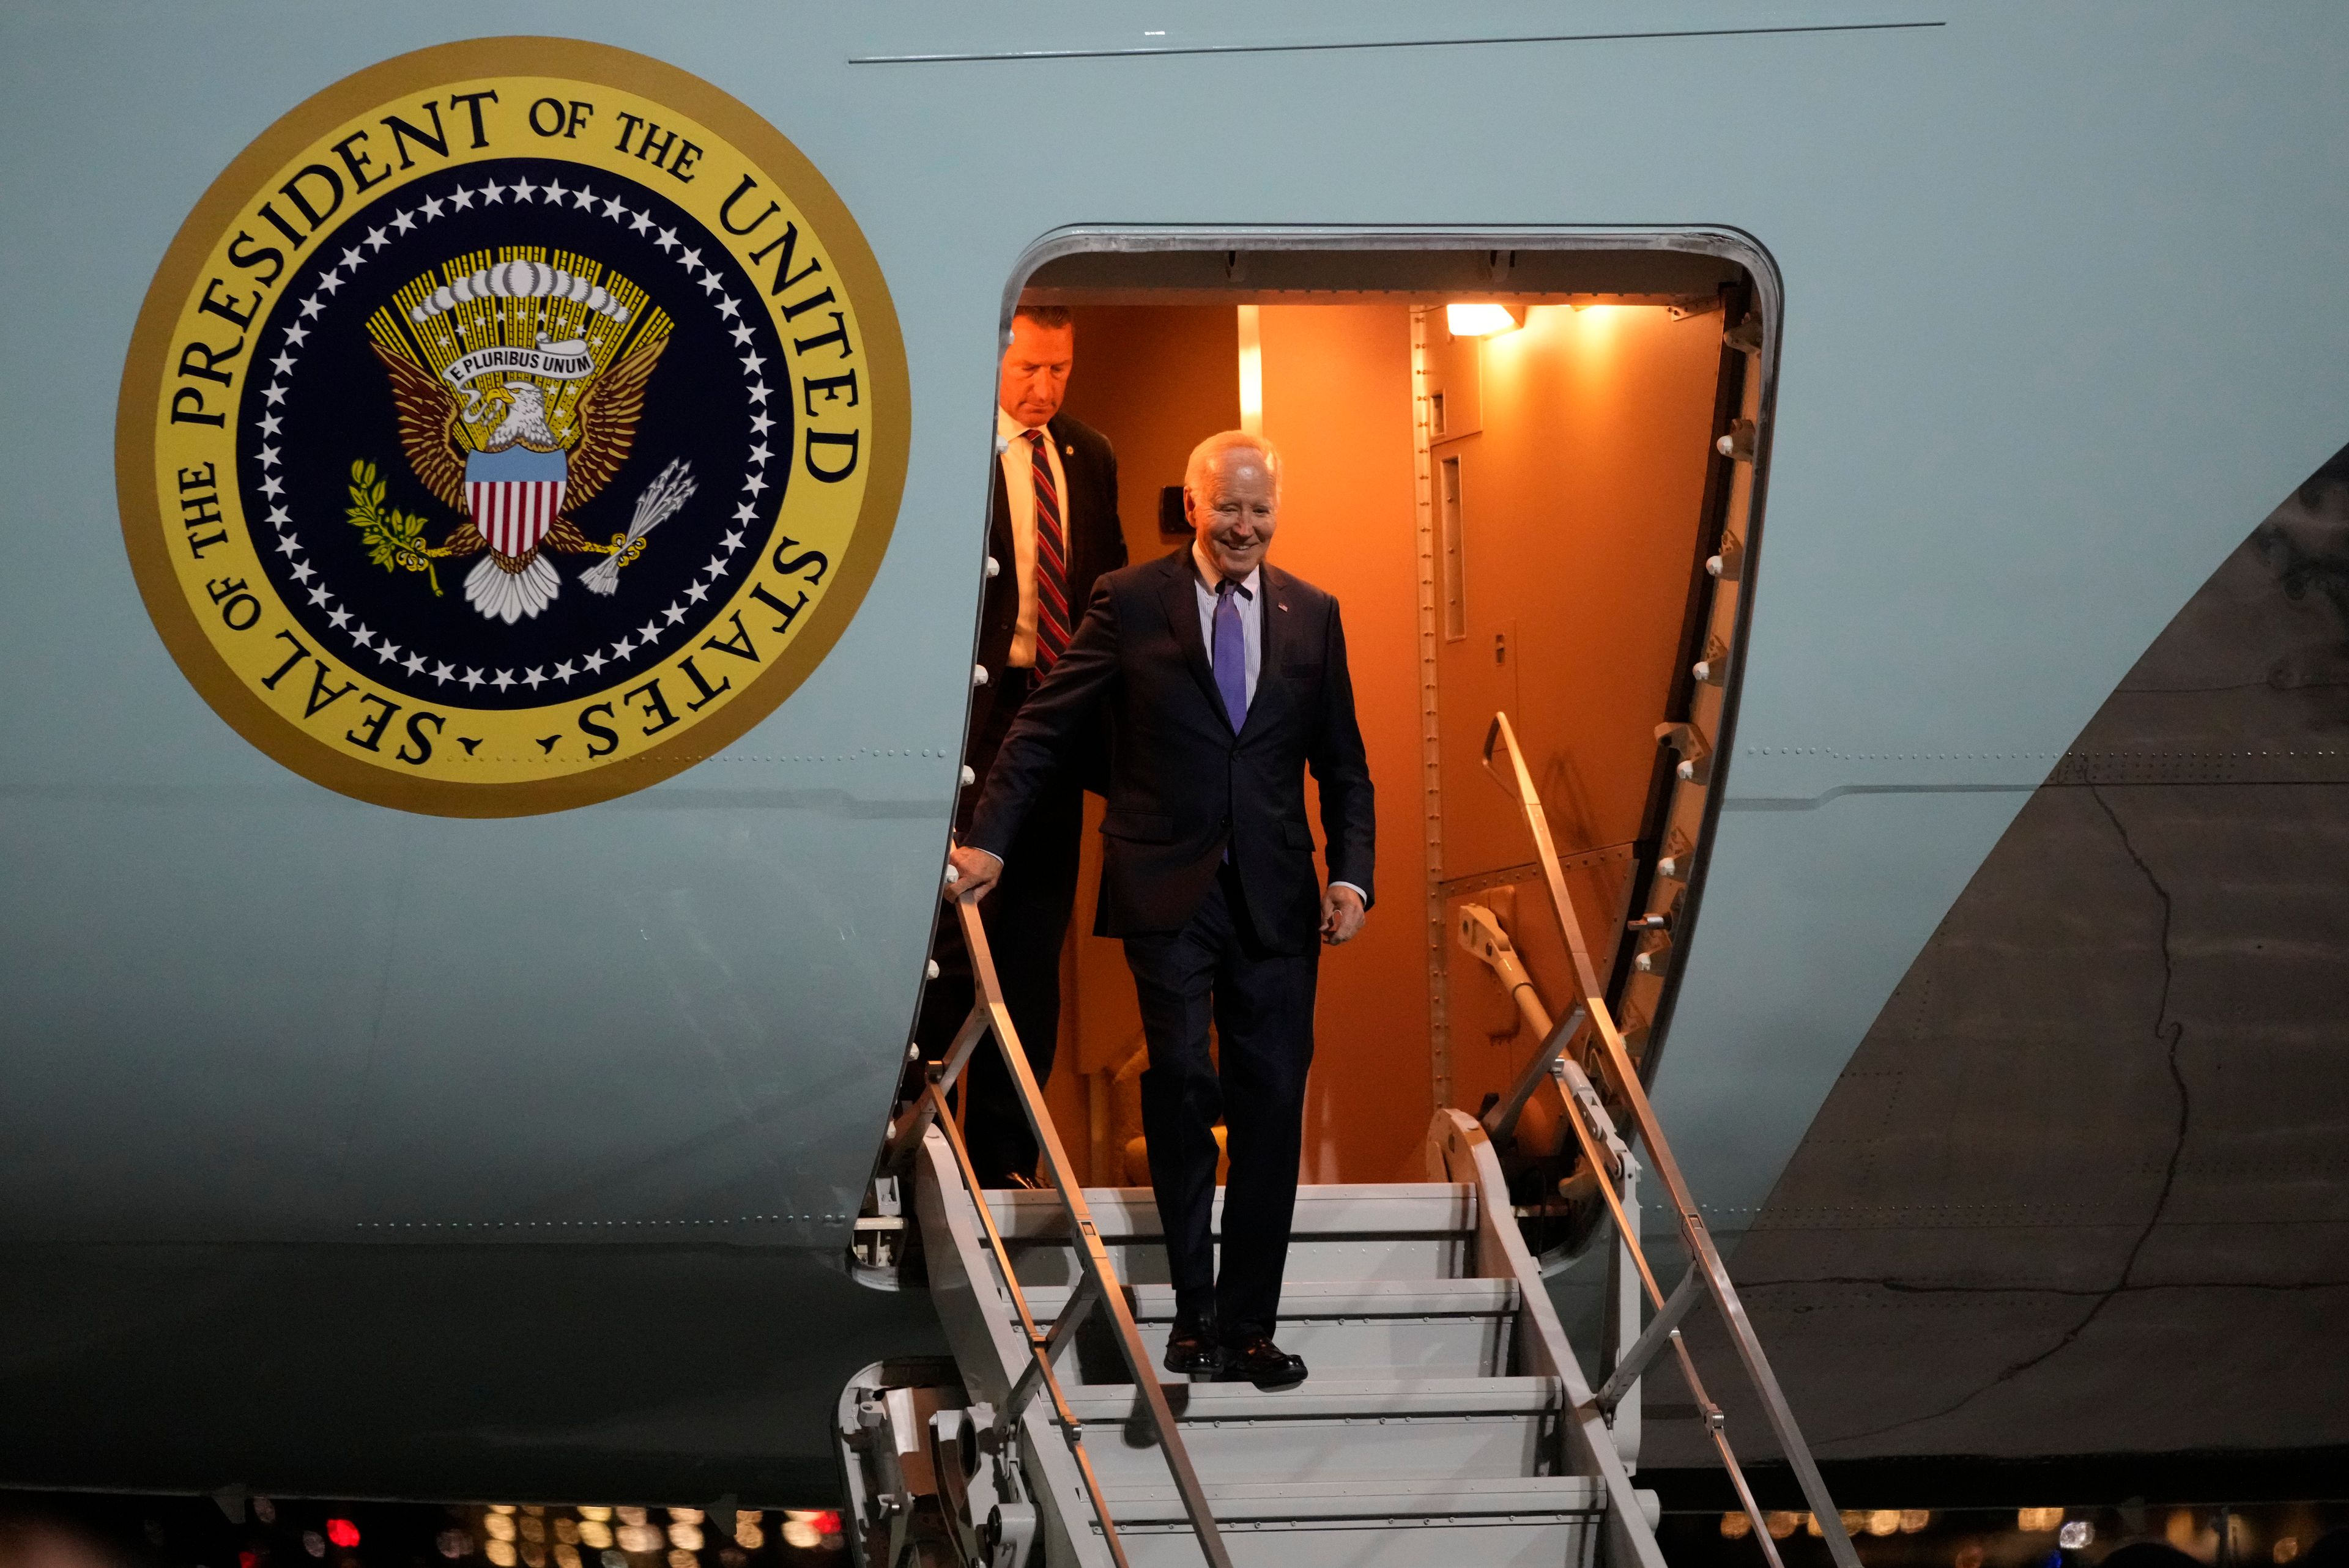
(1154, 379)
(1337, 403)
(1583, 444)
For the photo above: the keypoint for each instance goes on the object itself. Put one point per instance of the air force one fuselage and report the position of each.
(368, 1138)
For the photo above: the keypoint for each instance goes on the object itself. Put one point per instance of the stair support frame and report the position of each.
(1591, 1124)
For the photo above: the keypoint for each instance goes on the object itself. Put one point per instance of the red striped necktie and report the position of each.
(1052, 560)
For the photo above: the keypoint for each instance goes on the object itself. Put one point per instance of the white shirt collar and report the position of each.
(1208, 575)
(1009, 430)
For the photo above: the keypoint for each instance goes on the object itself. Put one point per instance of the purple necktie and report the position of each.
(1231, 653)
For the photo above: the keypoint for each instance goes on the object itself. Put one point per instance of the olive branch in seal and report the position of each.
(394, 539)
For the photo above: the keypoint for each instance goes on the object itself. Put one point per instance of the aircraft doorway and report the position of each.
(1517, 519)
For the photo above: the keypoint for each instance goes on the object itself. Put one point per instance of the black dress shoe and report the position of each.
(1256, 1360)
(1192, 1349)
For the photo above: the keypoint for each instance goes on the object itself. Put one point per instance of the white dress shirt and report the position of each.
(1013, 451)
(1251, 602)
(1251, 592)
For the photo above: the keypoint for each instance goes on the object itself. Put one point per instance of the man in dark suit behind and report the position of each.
(1222, 679)
(1053, 530)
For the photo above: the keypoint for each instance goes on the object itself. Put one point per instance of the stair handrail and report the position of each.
(1098, 1284)
(1705, 1267)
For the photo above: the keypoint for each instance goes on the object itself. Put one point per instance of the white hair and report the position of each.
(1204, 455)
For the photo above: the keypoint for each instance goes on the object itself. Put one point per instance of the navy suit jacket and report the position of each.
(1096, 543)
(1182, 788)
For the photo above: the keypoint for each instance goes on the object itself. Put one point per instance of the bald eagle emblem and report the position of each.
(518, 381)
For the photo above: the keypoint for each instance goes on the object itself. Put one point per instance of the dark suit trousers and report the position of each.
(1262, 1006)
(1027, 919)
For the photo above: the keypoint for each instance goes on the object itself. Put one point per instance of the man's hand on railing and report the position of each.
(970, 872)
(1341, 913)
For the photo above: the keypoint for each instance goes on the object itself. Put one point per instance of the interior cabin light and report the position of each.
(1473, 320)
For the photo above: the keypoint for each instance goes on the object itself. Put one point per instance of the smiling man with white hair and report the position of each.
(1222, 679)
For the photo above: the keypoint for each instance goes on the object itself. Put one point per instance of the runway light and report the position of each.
(1735, 1527)
(638, 1538)
(1483, 320)
(749, 1536)
(502, 1553)
(798, 1533)
(599, 1514)
(2037, 1521)
(498, 1526)
(687, 1536)
(2075, 1534)
(1913, 1520)
(1783, 1524)
(596, 1533)
(343, 1532)
(2286, 1548)
(314, 1543)
(1884, 1522)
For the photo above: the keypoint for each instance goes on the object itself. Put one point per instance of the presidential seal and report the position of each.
(513, 425)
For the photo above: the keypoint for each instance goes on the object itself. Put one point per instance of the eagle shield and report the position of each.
(515, 496)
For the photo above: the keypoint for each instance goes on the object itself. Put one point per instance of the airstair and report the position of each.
(1448, 1421)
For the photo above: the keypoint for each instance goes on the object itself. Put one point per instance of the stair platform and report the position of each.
(1444, 1422)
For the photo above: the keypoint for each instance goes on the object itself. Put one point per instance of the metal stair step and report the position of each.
(1123, 1213)
(1405, 1429)
(1420, 1230)
(1411, 1327)
(1379, 1522)
(1143, 1261)
(1331, 1299)
(1432, 1499)
(1320, 1398)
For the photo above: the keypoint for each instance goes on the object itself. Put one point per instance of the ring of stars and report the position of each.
(637, 643)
